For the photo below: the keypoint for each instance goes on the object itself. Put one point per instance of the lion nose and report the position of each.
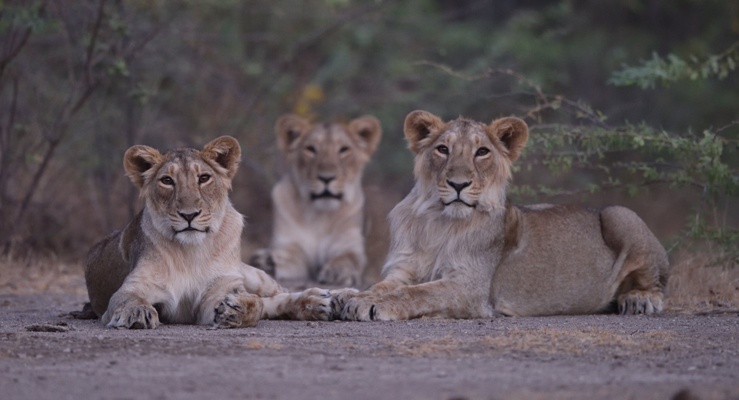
(458, 186)
(326, 179)
(189, 217)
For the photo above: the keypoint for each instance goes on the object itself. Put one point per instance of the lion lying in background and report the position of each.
(458, 251)
(179, 260)
(319, 202)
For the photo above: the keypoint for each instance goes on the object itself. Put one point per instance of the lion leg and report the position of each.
(310, 304)
(343, 270)
(641, 264)
(442, 298)
(259, 282)
(340, 297)
(262, 259)
(290, 263)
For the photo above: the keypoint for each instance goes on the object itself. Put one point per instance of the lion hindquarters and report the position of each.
(641, 268)
(105, 271)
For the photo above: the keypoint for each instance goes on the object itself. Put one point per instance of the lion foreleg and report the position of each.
(259, 282)
(290, 262)
(443, 298)
(310, 304)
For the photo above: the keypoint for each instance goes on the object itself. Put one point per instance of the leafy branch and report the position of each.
(674, 69)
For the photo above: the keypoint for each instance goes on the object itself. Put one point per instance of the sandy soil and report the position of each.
(46, 355)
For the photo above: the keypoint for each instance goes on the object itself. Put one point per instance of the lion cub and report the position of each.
(319, 202)
(179, 261)
(458, 251)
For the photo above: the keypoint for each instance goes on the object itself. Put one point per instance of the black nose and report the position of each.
(189, 217)
(326, 179)
(458, 186)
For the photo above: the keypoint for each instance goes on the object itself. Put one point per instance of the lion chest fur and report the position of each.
(428, 245)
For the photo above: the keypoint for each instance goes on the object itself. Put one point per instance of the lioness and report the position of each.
(178, 261)
(319, 202)
(458, 251)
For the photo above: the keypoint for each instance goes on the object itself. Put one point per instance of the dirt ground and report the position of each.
(46, 355)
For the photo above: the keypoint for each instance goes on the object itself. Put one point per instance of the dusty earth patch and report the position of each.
(602, 356)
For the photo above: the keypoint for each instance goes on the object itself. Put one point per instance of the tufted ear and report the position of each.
(420, 128)
(369, 131)
(139, 162)
(512, 132)
(226, 152)
(288, 129)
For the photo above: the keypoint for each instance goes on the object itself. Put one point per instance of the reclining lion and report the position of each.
(178, 260)
(458, 251)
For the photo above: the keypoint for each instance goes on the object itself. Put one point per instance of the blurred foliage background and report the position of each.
(629, 101)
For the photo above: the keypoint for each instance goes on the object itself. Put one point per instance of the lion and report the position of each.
(178, 261)
(459, 251)
(318, 230)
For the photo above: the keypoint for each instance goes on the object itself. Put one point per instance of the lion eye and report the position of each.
(166, 180)
(311, 149)
(442, 149)
(203, 178)
(482, 151)
(343, 149)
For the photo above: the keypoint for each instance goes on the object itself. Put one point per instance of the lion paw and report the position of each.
(363, 309)
(314, 304)
(142, 316)
(339, 275)
(263, 260)
(238, 310)
(339, 298)
(640, 302)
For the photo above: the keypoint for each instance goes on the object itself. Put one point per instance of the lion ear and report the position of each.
(139, 162)
(288, 129)
(226, 152)
(369, 131)
(419, 128)
(513, 133)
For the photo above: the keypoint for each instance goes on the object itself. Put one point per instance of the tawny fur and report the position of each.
(319, 203)
(179, 261)
(458, 251)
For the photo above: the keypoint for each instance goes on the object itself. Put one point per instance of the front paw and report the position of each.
(263, 260)
(238, 310)
(339, 298)
(314, 304)
(339, 275)
(363, 308)
(141, 316)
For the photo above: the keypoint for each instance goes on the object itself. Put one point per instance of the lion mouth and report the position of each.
(325, 195)
(191, 229)
(458, 200)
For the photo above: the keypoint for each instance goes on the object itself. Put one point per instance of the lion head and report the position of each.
(185, 190)
(326, 161)
(463, 165)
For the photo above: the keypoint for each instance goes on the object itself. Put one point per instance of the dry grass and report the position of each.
(697, 284)
(34, 276)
